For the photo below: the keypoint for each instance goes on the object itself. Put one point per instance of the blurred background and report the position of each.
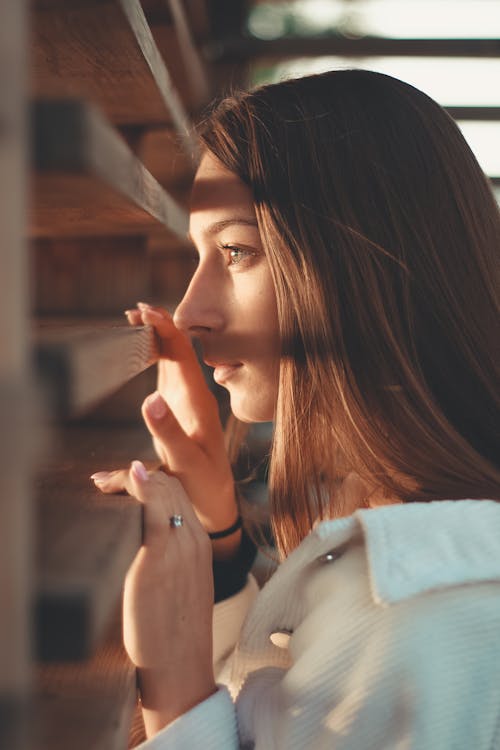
(447, 48)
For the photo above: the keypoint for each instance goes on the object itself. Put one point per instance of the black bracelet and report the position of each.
(227, 532)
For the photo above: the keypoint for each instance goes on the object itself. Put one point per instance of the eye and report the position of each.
(237, 254)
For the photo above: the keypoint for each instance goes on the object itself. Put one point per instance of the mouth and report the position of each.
(224, 370)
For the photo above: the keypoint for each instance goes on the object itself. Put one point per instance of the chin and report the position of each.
(250, 412)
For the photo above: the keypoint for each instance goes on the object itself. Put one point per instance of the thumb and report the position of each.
(177, 448)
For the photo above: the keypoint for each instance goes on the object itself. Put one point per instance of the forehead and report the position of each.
(218, 193)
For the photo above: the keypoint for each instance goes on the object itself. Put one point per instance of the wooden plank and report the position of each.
(104, 51)
(16, 416)
(245, 48)
(16, 457)
(87, 180)
(89, 276)
(80, 365)
(87, 705)
(474, 113)
(161, 154)
(86, 541)
(88, 546)
(199, 20)
(171, 274)
(13, 147)
(15, 724)
(195, 68)
(124, 406)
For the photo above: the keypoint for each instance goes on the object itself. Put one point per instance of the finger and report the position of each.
(176, 345)
(181, 381)
(180, 452)
(164, 498)
(134, 317)
(156, 486)
(180, 378)
(111, 482)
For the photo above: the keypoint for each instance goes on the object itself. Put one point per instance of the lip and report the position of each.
(223, 371)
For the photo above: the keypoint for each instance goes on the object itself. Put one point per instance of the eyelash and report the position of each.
(246, 254)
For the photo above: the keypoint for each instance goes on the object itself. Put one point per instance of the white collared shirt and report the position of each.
(389, 624)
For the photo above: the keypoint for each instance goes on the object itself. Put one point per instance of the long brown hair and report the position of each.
(383, 238)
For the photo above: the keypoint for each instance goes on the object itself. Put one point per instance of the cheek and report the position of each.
(262, 316)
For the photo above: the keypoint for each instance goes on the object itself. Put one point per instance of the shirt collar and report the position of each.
(419, 547)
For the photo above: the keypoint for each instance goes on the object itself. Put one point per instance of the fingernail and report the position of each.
(100, 476)
(143, 306)
(153, 313)
(156, 406)
(139, 471)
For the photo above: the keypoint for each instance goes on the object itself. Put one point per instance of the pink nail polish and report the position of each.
(139, 471)
(156, 406)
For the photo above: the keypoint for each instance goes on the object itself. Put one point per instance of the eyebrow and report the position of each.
(218, 226)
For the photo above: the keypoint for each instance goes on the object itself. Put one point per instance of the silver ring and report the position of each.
(176, 521)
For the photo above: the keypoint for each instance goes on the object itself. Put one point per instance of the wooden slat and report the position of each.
(123, 407)
(171, 274)
(161, 154)
(88, 546)
(16, 458)
(80, 365)
(15, 415)
(86, 541)
(245, 48)
(87, 180)
(88, 705)
(104, 52)
(475, 113)
(195, 67)
(90, 276)
(199, 18)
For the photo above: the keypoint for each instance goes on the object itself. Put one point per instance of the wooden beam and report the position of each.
(86, 541)
(195, 67)
(88, 182)
(160, 153)
(80, 365)
(107, 54)
(199, 18)
(245, 48)
(87, 545)
(16, 413)
(86, 705)
(90, 276)
(475, 113)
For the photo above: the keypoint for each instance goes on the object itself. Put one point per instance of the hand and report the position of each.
(183, 419)
(168, 600)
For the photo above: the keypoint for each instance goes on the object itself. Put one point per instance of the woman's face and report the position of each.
(230, 304)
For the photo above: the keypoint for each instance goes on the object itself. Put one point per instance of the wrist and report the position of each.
(164, 697)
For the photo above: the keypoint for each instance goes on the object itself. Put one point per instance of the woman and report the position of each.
(347, 289)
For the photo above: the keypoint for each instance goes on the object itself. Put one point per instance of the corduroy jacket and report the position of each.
(381, 631)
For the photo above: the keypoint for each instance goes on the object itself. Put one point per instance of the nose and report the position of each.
(201, 310)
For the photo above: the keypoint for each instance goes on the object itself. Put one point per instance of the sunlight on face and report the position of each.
(230, 305)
